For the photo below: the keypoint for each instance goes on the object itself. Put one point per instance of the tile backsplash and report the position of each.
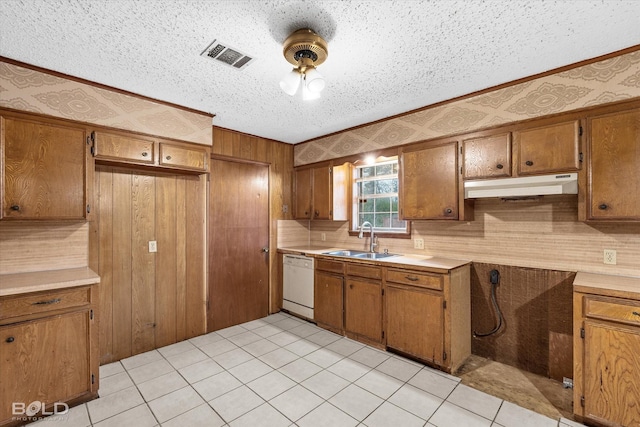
(543, 233)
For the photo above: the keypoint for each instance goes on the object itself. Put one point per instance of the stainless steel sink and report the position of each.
(360, 254)
(374, 255)
(346, 253)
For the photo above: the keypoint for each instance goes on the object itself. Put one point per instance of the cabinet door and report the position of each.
(322, 193)
(43, 168)
(487, 157)
(183, 157)
(302, 193)
(415, 322)
(45, 360)
(363, 308)
(614, 166)
(328, 300)
(123, 149)
(612, 374)
(429, 183)
(548, 149)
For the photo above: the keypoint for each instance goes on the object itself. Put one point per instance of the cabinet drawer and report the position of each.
(413, 278)
(121, 148)
(613, 309)
(42, 302)
(364, 271)
(183, 157)
(332, 266)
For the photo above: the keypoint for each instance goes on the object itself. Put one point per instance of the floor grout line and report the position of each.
(322, 344)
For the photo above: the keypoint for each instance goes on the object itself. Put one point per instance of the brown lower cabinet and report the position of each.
(328, 295)
(48, 351)
(425, 315)
(363, 303)
(606, 349)
(415, 321)
(428, 315)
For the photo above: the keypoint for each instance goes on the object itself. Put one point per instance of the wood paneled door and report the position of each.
(148, 299)
(238, 242)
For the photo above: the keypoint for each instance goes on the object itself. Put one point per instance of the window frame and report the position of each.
(353, 218)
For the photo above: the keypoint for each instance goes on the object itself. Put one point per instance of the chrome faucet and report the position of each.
(372, 243)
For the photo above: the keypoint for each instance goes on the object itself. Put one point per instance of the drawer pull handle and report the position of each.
(144, 154)
(51, 301)
(635, 313)
(15, 208)
(499, 166)
(10, 339)
(603, 207)
(413, 279)
(448, 211)
(528, 163)
(168, 157)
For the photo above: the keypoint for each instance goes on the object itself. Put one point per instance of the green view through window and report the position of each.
(376, 189)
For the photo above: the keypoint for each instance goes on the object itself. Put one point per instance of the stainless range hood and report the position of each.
(522, 187)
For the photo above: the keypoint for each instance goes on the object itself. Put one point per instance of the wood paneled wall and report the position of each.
(148, 300)
(280, 157)
(537, 307)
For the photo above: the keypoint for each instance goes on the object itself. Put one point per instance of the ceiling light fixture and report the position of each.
(306, 50)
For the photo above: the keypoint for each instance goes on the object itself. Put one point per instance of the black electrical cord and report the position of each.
(495, 279)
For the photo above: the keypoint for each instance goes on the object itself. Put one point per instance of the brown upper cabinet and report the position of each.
(430, 187)
(181, 156)
(613, 166)
(322, 192)
(129, 149)
(302, 194)
(44, 168)
(487, 157)
(121, 148)
(547, 149)
(539, 150)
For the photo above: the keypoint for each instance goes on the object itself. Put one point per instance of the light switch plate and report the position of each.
(609, 256)
(153, 246)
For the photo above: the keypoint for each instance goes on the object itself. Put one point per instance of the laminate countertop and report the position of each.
(22, 283)
(415, 262)
(607, 284)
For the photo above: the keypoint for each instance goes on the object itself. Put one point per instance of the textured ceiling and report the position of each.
(385, 57)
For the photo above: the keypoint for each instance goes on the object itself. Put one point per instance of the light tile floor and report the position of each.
(281, 371)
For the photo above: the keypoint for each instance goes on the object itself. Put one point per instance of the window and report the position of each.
(376, 197)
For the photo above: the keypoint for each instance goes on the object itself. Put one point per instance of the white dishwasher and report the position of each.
(297, 285)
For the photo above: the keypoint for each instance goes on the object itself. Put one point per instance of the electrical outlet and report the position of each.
(609, 256)
(323, 237)
(285, 208)
(153, 246)
(418, 243)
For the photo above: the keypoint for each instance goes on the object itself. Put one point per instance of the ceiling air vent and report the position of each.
(227, 55)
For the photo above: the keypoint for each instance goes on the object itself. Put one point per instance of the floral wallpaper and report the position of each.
(29, 90)
(610, 80)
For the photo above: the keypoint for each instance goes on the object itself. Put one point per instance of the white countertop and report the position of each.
(608, 284)
(409, 260)
(22, 283)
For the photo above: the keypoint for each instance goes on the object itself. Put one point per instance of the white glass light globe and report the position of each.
(290, 82)
(314, 80)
